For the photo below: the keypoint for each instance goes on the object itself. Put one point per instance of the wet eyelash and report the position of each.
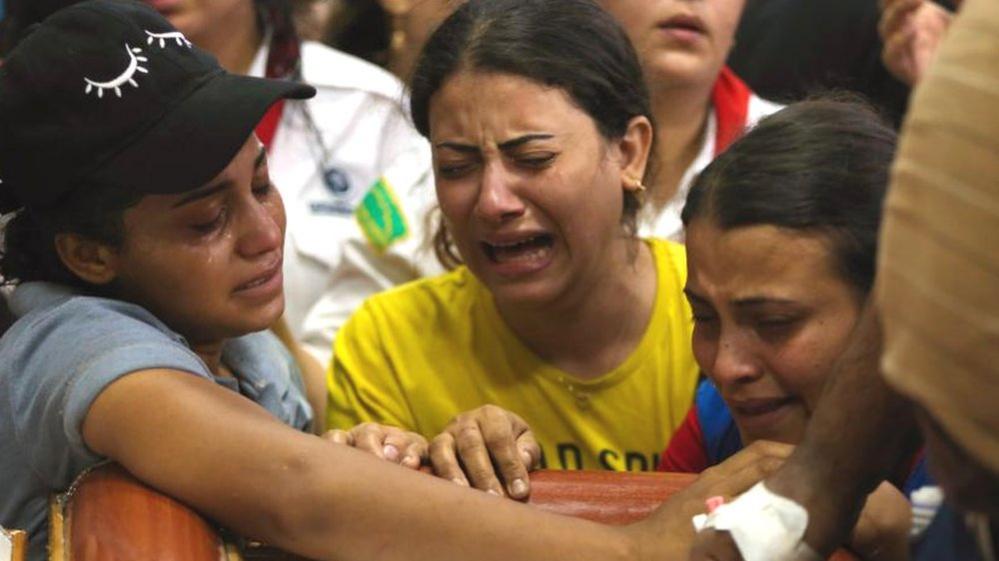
(126, 77)
(213, 224)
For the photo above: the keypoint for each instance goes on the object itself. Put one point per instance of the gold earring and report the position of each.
(636, 185)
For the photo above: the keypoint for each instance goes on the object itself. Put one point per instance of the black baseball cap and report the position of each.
(107, 92)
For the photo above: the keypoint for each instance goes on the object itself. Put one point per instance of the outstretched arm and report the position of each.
(228, 458)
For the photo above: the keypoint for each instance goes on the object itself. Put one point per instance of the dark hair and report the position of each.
(361, 28)
(820, 165)
(572, 45)
(27, 242)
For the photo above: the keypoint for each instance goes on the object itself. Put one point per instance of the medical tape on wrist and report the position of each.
(764, 526)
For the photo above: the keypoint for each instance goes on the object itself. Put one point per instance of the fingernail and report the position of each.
(713, 503)
(494, 492)
(526, 457)
(518, 488)
(411, 460)
(390, 452)
(460, 481)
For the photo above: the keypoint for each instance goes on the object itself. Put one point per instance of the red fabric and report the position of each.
(686, 453)
(282, 60)
(268, 125)
(730, 98)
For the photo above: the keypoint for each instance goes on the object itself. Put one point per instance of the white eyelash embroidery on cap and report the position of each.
(134, 58)
(163, 37)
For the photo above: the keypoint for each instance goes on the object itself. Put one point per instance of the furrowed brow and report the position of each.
(521, 140)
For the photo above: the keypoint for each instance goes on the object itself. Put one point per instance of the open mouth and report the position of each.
(534, 248)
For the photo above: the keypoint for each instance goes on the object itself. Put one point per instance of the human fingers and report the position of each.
(474, 455)
(898, 57)
(732, 480)
(882, 529)
(752, 454)
(529, 449)
(896, 15)
(370, 437)
(412, 447)
(500, 429)
(527, 446)
(338, 436)
(444, 459)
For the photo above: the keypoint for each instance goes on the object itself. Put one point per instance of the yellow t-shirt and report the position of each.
(419, 354)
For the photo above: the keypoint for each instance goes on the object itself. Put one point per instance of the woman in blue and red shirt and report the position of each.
(781, 236)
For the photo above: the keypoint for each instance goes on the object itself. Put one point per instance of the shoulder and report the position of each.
(325, 67)
(59, 356)
(428, 305)
(49, 311)
(445, 291)
(89, 341)
(709, 402)
(419, 326)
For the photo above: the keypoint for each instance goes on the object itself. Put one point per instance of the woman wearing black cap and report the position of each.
(354, 173)
(146, 247)
(336, 159)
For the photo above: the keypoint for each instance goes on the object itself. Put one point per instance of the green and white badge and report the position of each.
(380, 216)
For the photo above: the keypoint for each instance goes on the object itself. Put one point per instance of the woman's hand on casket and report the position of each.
(488, 448)
(388, 443)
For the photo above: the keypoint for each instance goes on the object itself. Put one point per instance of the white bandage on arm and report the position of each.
(764, 526)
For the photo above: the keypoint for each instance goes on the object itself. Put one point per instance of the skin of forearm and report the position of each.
(859, 432)
(344, 504)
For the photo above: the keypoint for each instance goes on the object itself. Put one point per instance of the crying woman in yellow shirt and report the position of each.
(555, 311)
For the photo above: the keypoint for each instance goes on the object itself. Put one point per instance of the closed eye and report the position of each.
(212, 225)
(454, 171)
(540, 160)
(776, 327)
